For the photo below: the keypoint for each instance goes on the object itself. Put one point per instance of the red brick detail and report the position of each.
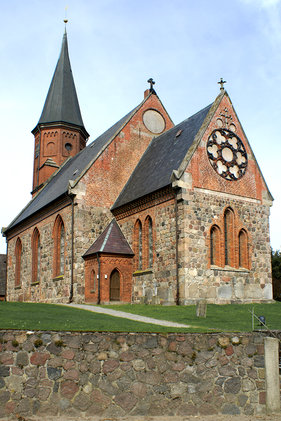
(57, 143)
(147, 246)
(228, 241)
(59, 247)
(137, 245)
(35, 247)
(108, 263)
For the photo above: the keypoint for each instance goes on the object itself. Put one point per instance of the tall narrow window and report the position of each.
(138, 245)
(243, 249)
(35, 255)
(18, 253)
(215, 246)
(59, 247)
(93, 281)
(229, 236)
(148, 243)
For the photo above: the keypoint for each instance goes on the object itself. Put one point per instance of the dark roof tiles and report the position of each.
(110, 241)
(61, 105)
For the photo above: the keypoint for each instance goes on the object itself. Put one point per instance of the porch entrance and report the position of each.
(115, 285)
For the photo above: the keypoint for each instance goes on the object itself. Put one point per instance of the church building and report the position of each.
(147, 212)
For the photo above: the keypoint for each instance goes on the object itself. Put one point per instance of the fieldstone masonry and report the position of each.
(116, 374)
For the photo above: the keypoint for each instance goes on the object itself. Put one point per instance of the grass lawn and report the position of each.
(33, 316)
(234, 317)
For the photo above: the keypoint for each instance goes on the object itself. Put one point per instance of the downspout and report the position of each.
(72, 249)
(177, 252)
(98, 259)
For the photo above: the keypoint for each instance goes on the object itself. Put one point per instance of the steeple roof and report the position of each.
(61, 105)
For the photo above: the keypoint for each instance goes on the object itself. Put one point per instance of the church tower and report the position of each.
(60, 132)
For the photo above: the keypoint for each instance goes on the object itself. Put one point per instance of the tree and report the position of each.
(276, 273)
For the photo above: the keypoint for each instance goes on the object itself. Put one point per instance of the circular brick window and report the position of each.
(227, 154)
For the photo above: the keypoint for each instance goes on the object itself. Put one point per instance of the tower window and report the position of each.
(68, 147)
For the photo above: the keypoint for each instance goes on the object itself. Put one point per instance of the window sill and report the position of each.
(58, 278)
(35, 283)
(229, 269)
(142, 272)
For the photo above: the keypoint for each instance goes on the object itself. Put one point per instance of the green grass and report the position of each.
(33, 316)
(232, 318)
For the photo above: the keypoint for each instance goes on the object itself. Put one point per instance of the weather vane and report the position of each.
(222, 82)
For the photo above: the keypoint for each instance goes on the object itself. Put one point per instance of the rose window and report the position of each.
(227, 154)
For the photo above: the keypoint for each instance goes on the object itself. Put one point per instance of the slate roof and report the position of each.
(61, 105)
(71, 170)
(111, 241)
(164, 155)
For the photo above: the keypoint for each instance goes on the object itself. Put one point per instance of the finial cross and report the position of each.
(222, 82)
(151, 82)
(226, 117)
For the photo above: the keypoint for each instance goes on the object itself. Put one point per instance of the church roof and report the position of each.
(72, 169)
(61, 105)
(111, 241)
(164, 155)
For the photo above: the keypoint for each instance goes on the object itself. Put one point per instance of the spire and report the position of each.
(61, 105)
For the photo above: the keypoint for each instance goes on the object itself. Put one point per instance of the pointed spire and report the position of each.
(61, 105)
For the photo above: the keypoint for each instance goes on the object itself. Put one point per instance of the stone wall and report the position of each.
(115, 374)
(198, 211)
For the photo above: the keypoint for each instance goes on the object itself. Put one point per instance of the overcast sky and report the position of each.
(114, 47)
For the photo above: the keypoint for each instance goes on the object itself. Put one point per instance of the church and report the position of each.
(149, 212)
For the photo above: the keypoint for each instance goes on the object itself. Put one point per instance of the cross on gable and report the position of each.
(222, 82)
(227, 118)
(151, 82)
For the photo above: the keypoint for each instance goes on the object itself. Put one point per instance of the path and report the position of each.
(124, 315)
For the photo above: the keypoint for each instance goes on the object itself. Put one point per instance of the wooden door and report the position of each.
(115, 286)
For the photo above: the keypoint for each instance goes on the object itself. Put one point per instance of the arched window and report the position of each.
(59, 246)
(243, 249)
(148, 242)
(92, 281)
(138, 244)
(35, 245)
(215, 245)
(229, 237)
(18, 253)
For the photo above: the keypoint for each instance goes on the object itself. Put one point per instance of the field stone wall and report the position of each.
(116, 374)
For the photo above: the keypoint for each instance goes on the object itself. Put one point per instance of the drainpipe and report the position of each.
(177, 252)
(98, 259)
(72, 249)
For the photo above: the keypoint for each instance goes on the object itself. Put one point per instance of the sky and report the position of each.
(115, 46)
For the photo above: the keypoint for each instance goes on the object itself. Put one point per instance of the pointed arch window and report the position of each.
(243, 249)
(36, 257)
(59, 247)
(229, 237)
(148, 242)
(215, 245)
(18, 256)
(138, 244)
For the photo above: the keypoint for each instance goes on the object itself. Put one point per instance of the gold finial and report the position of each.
(65, 18)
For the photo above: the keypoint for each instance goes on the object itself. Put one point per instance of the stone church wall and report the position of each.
(154, 284)
(48, 288)
(198, 279)
(117, 374)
